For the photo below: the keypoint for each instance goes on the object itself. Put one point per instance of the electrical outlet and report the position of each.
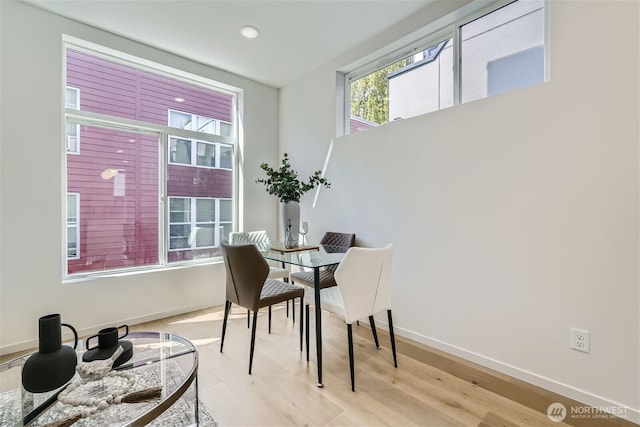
(579, 340)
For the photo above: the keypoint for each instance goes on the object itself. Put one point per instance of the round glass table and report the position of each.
(160, 360)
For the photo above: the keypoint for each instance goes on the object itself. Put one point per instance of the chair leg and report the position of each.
(287, 302)
(248, 318)
(301, 320)
(393, 339)
(306, 322)
(227, 308)
(373, 330)
(351, 367)
(269, 319)
(293, 309)
(253, 340)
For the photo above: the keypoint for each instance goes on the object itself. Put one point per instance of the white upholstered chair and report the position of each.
(364, 289)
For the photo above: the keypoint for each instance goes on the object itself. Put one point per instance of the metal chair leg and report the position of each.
(306, 321)
(269, 319)
(253, 340)
(248, 318)
(351, 363)
(373, 330)
(393, 339)
(227, 308)
(301, 319)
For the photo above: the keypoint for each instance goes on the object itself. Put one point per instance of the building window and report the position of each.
(192, 152)
(196, 223)
(490, 51)
(73, 226)
(198, 123)
(140, 207)
(72, 133)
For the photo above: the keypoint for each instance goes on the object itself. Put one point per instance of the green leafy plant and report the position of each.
(285, 184)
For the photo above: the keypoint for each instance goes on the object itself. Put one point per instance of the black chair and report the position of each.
(248, 286)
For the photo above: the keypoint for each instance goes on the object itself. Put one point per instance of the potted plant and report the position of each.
(285, 184)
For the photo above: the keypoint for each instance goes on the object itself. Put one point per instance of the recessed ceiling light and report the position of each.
(178, 99)
(249, 32)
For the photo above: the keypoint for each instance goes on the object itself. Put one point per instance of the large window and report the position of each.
(490, 51)
(154, 182)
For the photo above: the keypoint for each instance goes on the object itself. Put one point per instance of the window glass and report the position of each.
(226, 210)
(73, 251)
(424, 85)
(120, 171)
(226, 129)
(205, 210)
(206, 154)
(118, 188)
(226, 156)
(503, 50)
(206, 125)
(72, 98)
(180, 151)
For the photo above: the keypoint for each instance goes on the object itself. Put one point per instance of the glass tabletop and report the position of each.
(321, 256)
(159, 360)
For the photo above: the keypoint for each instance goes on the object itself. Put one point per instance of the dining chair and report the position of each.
(248, 285)
(334, 240)
(363, 289)
(262, 240)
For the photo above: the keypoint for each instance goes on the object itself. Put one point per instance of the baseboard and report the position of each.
(530, 389)
(32, 344)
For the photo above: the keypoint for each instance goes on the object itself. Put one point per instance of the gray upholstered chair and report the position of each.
(262, 241)
(247, 285)
(330, 239)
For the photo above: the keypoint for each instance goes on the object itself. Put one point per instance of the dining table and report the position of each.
(314, 257)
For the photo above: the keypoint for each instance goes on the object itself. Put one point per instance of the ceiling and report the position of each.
(296, 36)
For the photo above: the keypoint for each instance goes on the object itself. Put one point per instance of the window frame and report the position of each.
(448, 26)
(88, 118)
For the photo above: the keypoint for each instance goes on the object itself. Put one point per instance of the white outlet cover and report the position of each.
(579, 340)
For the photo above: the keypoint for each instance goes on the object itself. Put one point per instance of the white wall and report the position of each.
(514, 217)
(31, 158)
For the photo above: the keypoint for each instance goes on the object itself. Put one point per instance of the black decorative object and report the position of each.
(54, 364)
(109, 339)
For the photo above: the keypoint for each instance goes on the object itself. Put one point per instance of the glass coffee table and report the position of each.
(159, 360)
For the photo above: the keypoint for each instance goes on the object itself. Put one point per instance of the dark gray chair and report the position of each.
(331, 240)
(247, 285)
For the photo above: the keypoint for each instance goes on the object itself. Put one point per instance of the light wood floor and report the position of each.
(429, 388)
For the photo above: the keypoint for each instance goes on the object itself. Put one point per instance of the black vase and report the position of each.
(54, 364)
(109, 339)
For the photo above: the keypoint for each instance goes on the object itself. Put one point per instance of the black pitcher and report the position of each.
(54, 364)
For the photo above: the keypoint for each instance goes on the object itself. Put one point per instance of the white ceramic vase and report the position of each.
(290, 211)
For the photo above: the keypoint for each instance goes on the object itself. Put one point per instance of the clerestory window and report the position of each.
(488, 52)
